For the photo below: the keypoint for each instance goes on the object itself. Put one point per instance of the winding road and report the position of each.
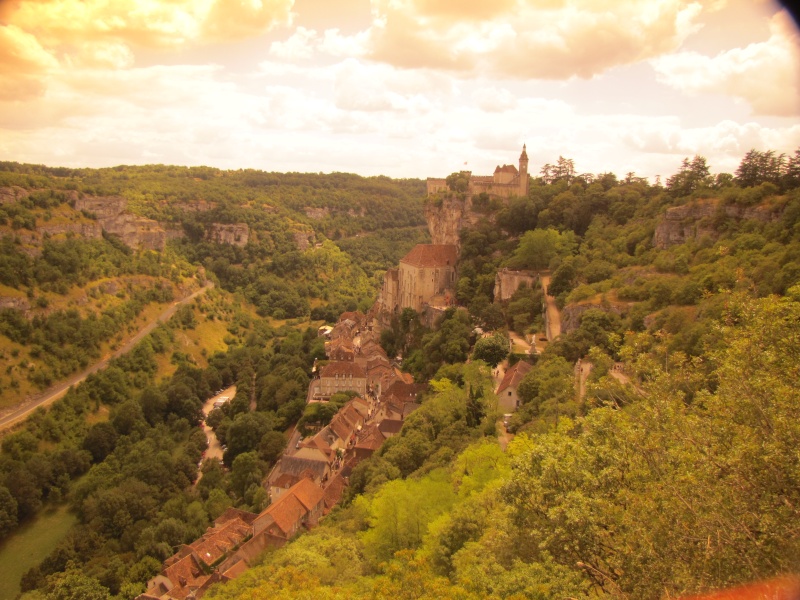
(12, 415)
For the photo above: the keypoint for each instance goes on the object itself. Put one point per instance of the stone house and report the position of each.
(290, 470)
(339, 376)
(368, 441)
(340, 349)
(300, 506)
(507, 396)
(189, 572)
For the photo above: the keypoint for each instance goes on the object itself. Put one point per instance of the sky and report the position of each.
(404, 88)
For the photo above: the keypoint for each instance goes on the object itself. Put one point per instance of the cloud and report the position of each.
(766, 74)
(299, 46)
(22, 61)
(552, 39)
(39, 38)
(159, 23)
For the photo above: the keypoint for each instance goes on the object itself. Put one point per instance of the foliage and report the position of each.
(538, 248)
(492, 350)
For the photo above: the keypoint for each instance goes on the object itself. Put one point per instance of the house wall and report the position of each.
(328, 386)
(508, 400)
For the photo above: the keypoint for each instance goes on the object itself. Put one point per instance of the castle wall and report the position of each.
(436, 185)
(507, 282)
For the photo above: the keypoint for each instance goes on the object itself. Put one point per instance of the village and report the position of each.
(311, 476)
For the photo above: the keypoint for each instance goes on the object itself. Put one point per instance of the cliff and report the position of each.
(447, 216)
(136, 232)
(235, 234)
(697, 219)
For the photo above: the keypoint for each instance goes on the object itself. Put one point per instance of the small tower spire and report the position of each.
(523, 172)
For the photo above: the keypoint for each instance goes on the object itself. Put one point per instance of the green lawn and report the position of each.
(29, 545)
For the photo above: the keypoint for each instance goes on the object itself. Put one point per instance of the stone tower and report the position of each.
(523, 172)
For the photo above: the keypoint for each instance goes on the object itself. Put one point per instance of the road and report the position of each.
(22, 410)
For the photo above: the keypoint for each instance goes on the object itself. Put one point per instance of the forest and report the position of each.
(679, 478)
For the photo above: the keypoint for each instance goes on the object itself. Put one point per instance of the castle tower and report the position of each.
(523, 172)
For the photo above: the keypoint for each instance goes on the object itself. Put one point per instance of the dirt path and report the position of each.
(553, 314)
(19, 412)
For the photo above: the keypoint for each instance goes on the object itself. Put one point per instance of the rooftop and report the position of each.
(431, 255)
(514, 375)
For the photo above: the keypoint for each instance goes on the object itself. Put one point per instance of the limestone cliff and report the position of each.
(447, 216)
(136, 232)
(696, 219)
(235, 234)
(11, 194)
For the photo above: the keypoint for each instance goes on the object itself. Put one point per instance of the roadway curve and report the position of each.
(22, 410)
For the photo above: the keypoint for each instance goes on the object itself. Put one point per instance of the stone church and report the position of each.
(426, 277)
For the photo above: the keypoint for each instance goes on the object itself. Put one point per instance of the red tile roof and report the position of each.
(334, 491)
(514, 375)
(186, 576)
(293, 505)
(431, 255)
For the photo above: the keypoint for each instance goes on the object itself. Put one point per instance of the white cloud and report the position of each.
(766, 75)
(300, 46)
(551, 40)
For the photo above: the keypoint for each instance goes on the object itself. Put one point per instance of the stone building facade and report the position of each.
(426, 275)
(507, 181)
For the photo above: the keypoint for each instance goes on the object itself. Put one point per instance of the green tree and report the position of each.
(539, 247)
(492, 350)
(692, 176)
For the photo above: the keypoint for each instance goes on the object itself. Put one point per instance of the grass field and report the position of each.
(29, 545)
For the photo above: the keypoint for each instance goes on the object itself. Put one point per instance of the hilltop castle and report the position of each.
(506, 182)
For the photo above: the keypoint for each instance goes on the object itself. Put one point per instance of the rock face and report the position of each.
(695, 220)
(136, 232)
(14, 303)
(14, 193)
(316, 213)
(447, 218)
(303, 239)
(507, 282)
(235, 234)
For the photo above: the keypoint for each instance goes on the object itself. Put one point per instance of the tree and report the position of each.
(491, 350)
(271, 446)
(458, 181)
(8, 511)
(760, 167)
(539, 247)
(691, 176)
(74, 585)
(100, 440)
(247, 469)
